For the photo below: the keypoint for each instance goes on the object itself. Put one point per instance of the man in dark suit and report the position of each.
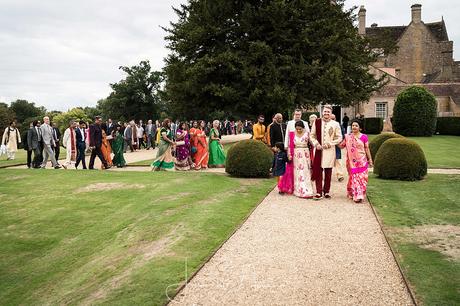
(277, 130)
(34, 139)
(57, 141)
(80, 136)
(95, 143)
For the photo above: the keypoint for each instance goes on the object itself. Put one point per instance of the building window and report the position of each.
(381, 110)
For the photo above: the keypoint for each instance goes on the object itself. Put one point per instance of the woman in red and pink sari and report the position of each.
(358, 161)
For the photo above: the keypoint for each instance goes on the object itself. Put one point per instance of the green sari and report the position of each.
(216, 152)
(117, 148)
(164, 160)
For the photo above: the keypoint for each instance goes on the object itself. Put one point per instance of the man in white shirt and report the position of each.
(80, 135)
(291, 126)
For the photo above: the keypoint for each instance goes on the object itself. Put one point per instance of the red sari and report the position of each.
(106, 150)
(201, 157)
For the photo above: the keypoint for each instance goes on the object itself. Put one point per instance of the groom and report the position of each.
(325, 135)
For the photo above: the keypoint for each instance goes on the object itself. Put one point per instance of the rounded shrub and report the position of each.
(400, 159)
(249, 158)
(414, 113)
(376, 143)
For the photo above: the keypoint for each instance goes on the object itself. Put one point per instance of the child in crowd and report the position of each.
(279, 161)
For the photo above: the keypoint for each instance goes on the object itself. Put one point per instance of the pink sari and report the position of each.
(357, 166)
(286, 183)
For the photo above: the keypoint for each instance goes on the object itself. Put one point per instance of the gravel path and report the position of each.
(300, 252)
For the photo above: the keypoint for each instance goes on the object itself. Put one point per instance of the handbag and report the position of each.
(194, 150)
(2, 149)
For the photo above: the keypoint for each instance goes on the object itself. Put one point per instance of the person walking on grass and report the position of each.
(34, 139)
(359, 159)
(216, 151)
(69, 142)
(80, 135)
(95, 143)
(325, 135)
(11, 139)
(48, 144)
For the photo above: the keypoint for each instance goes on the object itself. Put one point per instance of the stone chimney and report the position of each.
(416, 13)
(362, 20)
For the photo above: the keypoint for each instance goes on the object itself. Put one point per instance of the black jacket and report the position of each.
(95, 135)
(79, 137)
(277, 132)
(279, 163)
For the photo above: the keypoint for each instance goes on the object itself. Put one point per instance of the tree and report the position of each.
(26, 112)
(265, 56)
(6, 116)
(135, 97)
(62, 120)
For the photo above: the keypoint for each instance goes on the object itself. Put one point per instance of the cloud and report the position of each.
(63, 54)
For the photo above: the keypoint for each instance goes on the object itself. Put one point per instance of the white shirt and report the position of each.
(140, 132)
(82, 134)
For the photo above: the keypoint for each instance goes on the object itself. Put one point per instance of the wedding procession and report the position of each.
(197, 152)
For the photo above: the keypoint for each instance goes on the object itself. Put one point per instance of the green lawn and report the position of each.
(20, 159)
(422, 221)
(148, 162)
(73, 237)
(440, 151)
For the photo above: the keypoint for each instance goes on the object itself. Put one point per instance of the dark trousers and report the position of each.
(38, 156)
(141, 143)
(150, 142)
(97, 151)
(81, 147)
(29, 158)
(327, 181)
(57, 151)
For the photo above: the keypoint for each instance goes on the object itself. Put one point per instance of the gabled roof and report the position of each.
(438, 29)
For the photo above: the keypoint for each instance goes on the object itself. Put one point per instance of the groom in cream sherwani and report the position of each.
(325, 135)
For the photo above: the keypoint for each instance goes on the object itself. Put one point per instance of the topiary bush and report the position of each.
(448, 126)
(249, 158)
(414, 113)
(376, 143)
(373, 125)
(400, 159)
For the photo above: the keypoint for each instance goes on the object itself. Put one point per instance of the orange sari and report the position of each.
(106, 149)
(201, 156)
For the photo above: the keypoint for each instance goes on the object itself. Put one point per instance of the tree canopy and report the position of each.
(135, 97)
(263, 56)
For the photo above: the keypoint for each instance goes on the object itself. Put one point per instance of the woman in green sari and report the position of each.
(117, 148)
(216, 151)
(164, 160)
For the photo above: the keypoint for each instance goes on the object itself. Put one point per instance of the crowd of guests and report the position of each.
(304, 152)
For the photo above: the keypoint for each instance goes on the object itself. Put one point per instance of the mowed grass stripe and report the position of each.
(109, 237)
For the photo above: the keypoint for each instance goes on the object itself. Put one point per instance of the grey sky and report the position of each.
(62, 54)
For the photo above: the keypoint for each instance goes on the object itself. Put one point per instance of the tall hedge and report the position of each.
(414, 113)
(448, 126)
(373, 125)
(249, 158)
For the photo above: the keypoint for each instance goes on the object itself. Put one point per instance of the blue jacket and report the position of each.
(279, 163)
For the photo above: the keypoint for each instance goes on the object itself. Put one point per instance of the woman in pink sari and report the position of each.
(358, 160)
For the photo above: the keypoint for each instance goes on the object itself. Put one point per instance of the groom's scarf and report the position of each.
(73, 149)
(316, 173)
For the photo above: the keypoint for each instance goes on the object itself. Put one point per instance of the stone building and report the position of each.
(423, 56)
